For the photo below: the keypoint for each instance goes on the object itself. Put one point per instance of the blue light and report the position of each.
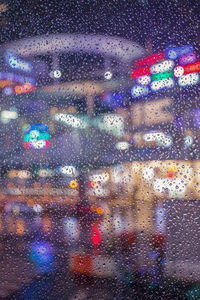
(185, 50)
(39, 127)
(17, 63)
(173, 52)
(153, 254)
(114, 100)
(41, 255)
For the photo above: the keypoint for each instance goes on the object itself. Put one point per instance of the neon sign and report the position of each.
(159, 76)
(144, 80)
(150, 60)
(174, 52)
(162, 84)
(191, 68)
(17, 63)
(166, 65)
(36, 137)
(189, 58)
(163, 75)
(188, 79)
(140, 72)
(24, 89)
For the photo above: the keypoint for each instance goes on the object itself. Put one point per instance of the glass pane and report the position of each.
(100, 160)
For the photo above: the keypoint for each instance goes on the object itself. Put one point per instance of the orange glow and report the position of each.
(99, 210)
(93, 208)
(192, 68)
(93, 184)
(25, 88)
(73, 184)
(20, 227)
(81, 264)
(46, 222)
(171, 172)
(11, 225)
(30, 202)
(5, 83)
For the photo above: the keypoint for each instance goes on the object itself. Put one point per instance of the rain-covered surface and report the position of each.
(100, 156)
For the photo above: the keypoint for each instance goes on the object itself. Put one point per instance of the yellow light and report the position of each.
(12, 173)
(20, 227)
(171, 171)
(22, 174)
(73, 184)
(3, 8)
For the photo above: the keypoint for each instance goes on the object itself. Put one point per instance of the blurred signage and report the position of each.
(150, 60)
(173, 52)
(157, 72)
(24, 88)
(16, 78)
(110, 123)
(22, 174)
(98, 183)
(42, 192)
(36, 136)
(12, 83)
(151, 113)
(152, 139)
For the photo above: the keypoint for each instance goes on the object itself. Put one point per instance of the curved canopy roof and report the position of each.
(117, 47)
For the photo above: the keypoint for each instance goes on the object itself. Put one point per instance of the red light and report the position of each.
(170, 174)
(140, 72)
(47, 144)
(26, 145)
(96, 235)
(158, 240)
(150, 60)
(192, 68)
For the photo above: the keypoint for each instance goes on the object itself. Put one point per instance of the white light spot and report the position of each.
(37, 208)
(178, 71)
(108, 75)
(122, 146)
(55, 74)
(166, 65)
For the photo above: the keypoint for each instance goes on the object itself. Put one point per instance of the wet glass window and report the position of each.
(100, 150)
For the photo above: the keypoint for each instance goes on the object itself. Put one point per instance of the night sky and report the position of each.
(152, 22)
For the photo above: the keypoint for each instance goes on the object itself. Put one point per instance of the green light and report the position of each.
(163, 75)
(194, 292)
(41, 136)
